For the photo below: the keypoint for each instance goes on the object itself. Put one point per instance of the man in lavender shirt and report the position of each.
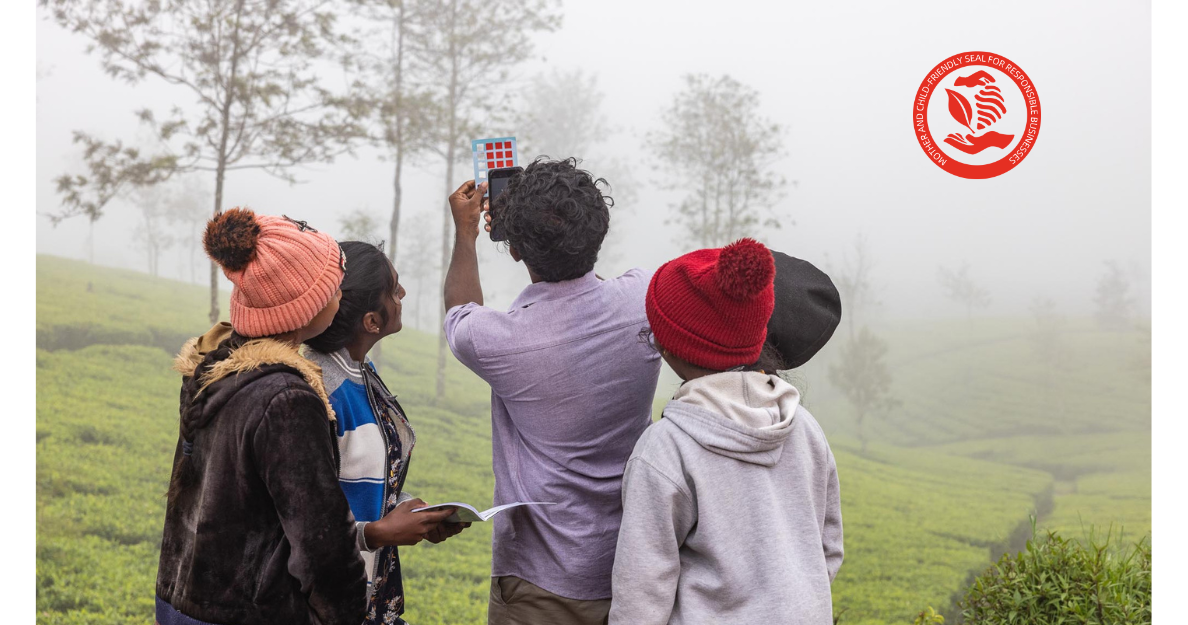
(571, 390)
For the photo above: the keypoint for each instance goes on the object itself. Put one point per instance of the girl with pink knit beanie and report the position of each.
(257, 529)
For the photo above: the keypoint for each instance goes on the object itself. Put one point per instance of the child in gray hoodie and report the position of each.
(731, 508)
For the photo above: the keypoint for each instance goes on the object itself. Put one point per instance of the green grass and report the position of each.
(978, 390)
(79, 304)
(106, 430)
(917, 525)
(1102, 480)
(943, 489)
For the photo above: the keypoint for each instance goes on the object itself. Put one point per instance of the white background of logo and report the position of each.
(941, 123)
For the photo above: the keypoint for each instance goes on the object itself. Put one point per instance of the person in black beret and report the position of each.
(807, 310)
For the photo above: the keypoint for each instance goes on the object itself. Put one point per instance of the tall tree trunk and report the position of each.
(447, 250)
(393, 233)
(91, 241)
(214, 267)
(221, 168)
(397, 191)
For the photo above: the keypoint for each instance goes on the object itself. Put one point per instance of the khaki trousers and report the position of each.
(518, 602)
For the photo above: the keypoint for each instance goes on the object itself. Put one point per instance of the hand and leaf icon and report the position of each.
(990, 108)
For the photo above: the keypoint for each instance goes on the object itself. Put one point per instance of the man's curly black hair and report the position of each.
(555, 216)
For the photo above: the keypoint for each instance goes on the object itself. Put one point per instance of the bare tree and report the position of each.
(248, 65)
(112, 169)
(151, 235)
(1049, 346)
(960, 287)
(716, 146)
(189, 210)
(861, 374)
(560, 115)
(467, 55)
(403, 108)
(1115, 306)
(420, 264)
(853, 281)
(359, 225)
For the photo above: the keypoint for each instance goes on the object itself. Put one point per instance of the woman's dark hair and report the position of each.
(368, 281)
(556, 217)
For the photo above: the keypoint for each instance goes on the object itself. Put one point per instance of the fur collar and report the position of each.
(249, 356)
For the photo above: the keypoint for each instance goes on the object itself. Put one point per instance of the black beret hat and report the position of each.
(807, 310)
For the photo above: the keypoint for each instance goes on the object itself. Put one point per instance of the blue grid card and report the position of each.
(493, 154)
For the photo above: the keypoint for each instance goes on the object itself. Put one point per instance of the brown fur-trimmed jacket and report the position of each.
(257, 529)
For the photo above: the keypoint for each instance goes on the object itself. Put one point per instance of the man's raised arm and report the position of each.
(462, 279)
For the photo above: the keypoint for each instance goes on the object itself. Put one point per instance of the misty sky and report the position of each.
(841, 78)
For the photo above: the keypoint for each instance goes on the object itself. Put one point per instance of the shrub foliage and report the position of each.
(1058, 580)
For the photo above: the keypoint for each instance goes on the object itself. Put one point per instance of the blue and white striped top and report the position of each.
(364, 454)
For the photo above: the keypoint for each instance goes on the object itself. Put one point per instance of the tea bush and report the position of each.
(1057, 580)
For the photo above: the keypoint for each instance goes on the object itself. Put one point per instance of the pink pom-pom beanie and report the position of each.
(284, 271)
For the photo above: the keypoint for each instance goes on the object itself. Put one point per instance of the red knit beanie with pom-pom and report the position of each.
(710, 307)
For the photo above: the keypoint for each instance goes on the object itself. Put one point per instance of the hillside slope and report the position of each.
(917, 519)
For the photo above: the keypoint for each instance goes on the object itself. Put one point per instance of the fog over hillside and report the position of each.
(839, 77)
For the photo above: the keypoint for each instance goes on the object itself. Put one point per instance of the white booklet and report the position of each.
(468, 514)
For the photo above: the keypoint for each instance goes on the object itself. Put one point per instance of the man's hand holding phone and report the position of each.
(466, 205)
(499, 178)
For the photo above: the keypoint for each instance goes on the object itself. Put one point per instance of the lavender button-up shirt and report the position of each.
(571, 392)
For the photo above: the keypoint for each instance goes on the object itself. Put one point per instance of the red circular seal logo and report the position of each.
(986, 114)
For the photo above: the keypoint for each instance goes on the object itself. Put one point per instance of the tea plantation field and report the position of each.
(981, 392)
(945, 487)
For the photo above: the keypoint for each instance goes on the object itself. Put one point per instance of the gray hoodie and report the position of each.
(731, 510)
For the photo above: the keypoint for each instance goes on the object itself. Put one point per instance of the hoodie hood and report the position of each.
(219, 363)
(742, 415)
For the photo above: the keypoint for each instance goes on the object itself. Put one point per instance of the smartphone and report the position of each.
(497, 180)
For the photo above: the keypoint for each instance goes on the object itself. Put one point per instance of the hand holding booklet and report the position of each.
(468, 514)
